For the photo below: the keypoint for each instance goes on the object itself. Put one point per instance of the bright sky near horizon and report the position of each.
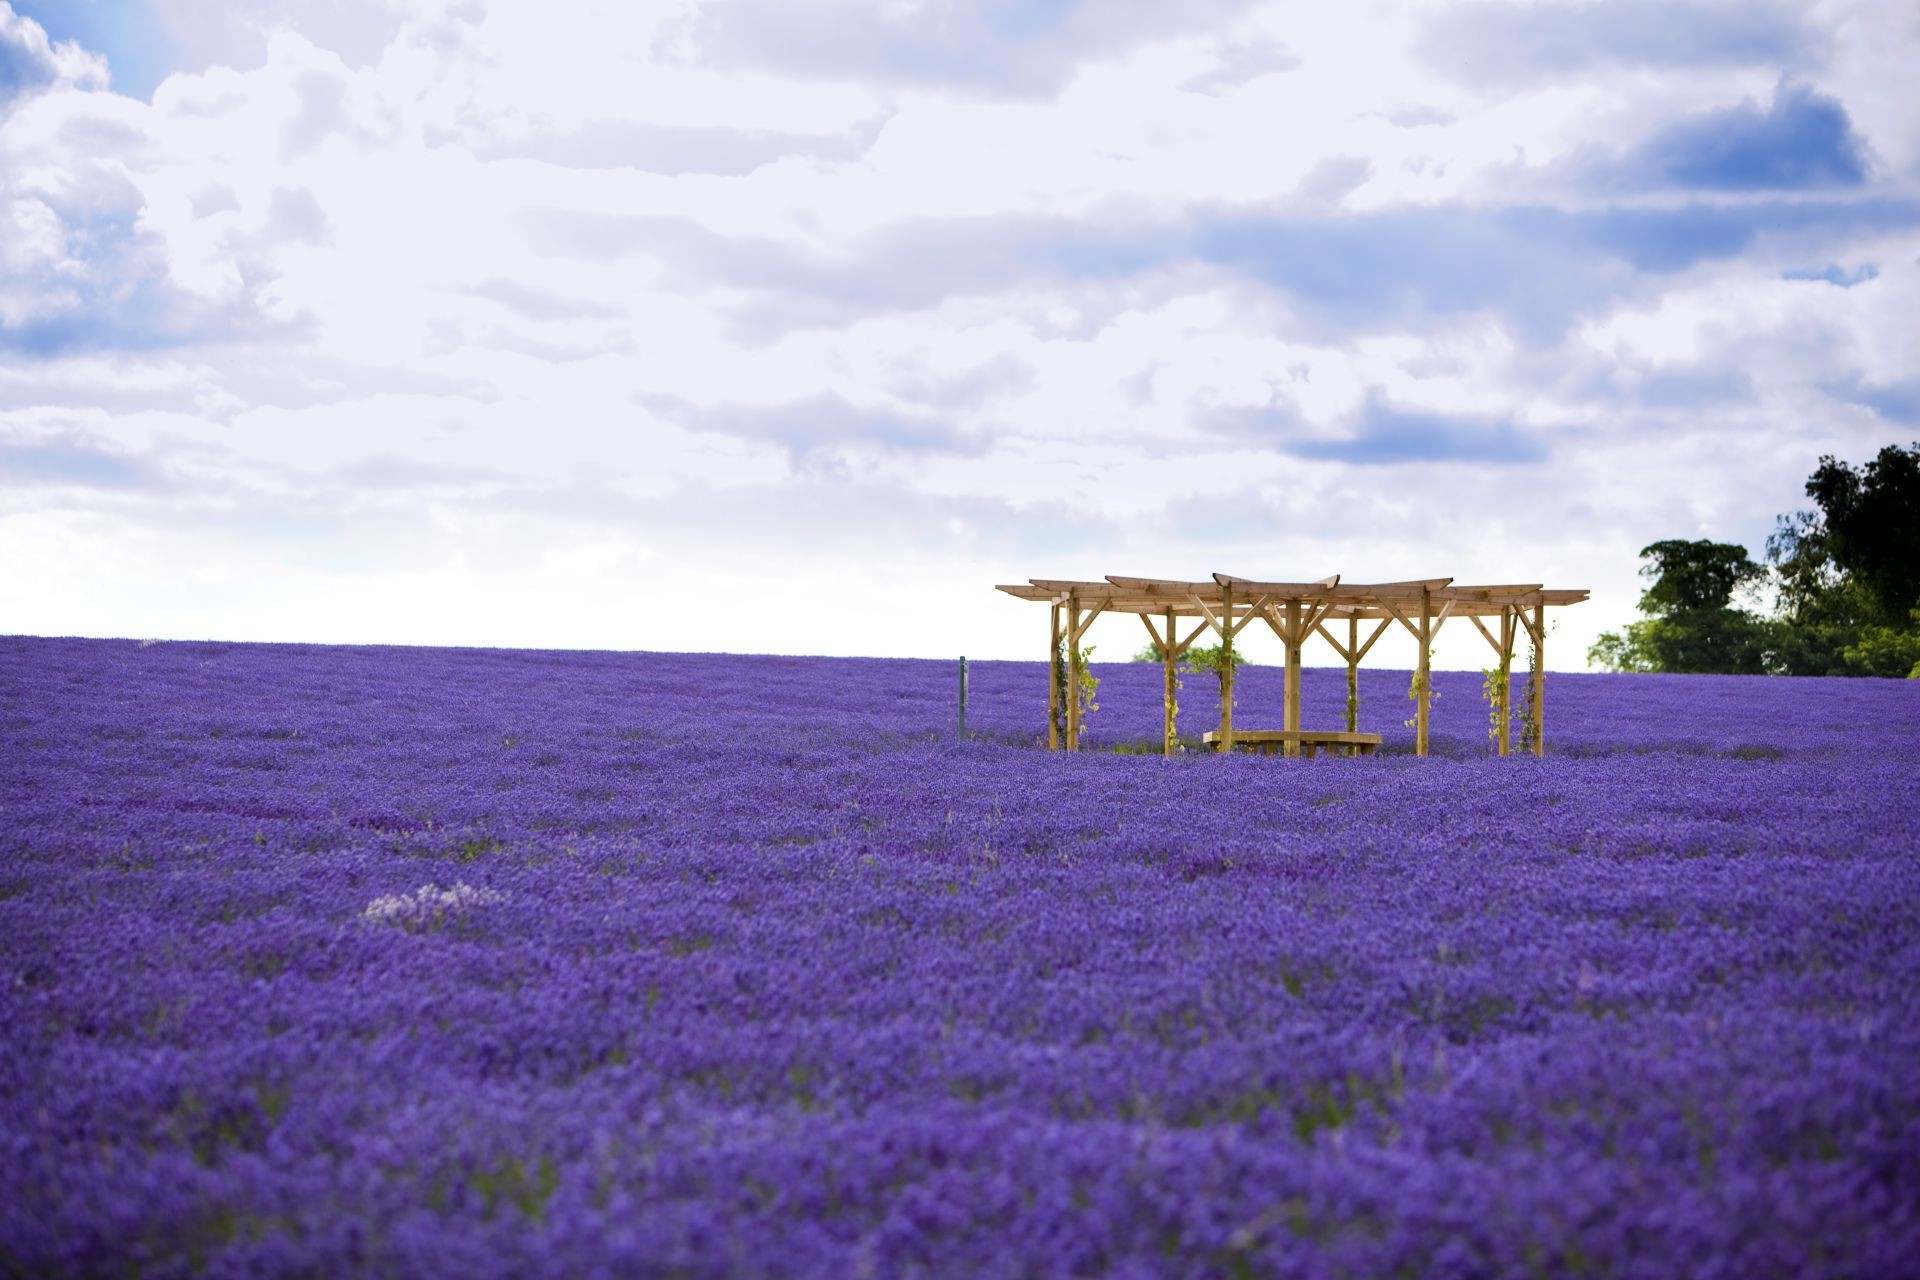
(585, 324)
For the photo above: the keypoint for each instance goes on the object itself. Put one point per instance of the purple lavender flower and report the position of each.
(389, 961)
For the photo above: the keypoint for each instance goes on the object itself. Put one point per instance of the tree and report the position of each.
(1848, 574)
(1691, 624)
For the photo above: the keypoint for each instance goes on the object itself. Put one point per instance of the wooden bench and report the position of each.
(1269, 741)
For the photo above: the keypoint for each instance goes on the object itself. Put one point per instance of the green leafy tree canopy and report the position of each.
(1691, 624)
(1848, 573)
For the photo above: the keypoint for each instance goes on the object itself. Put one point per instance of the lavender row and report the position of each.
(464, 962)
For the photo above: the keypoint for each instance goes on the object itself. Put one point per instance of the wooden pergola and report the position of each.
(1296, 611)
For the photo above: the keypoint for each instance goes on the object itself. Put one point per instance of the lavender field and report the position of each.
(331, 961)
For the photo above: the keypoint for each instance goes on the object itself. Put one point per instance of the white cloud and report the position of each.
(30, 63)
(439, 323)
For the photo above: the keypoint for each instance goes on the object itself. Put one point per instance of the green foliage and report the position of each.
(1726, 641)
(1693, 576)
(1089, 686)
(1213, 661)
(1869, 526)
(1218, 661)
(1497, 689)
(1691, 623)
(509, 1181)
(1060, 682)
(1626, 650)
(1210, 661)
(1847, 576)
(1887, 651)
(1421, 683)
(1353, 699)
(1529, 700)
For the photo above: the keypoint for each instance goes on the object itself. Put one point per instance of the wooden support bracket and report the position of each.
(1377, 633)
(1346, 654)
(1207, 613)
(1086, 622)
(1482, 628)
(1401, 618)
(1255, 610)
(1146, 620)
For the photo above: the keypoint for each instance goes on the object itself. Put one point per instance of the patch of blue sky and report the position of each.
(73, 330)
(124, 309)
(1086, 252)
(1388, 435)
(1018, 18)
(1667, 240)
(76, 463)
(112, 293)
(1803, 141)
(20, 71)
(1894, 401)
(1404, 262)
(1539, 266)
(1523, 42)
(1835, 274)
(127, 33)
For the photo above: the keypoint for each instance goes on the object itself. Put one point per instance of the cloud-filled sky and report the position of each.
(765, 326)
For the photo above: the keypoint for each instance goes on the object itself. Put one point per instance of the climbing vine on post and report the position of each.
(1059, 710)
(1218, 662)
(1173, 708)
(1496, 688)
(1420, 684)
(1528, 722)
(1353, 698)
(1089, 685)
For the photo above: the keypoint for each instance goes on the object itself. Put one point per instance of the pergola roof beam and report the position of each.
(1283, 590)
(1341, 600)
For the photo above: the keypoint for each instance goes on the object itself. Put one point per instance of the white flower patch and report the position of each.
(429, 906)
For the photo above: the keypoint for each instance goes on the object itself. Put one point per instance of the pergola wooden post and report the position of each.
(1423, 675)
(1513, 617)
(1539, 678)
(1506, 680)
(1227, 605)
(1226, 668)
(1073, 672)
(1291, 716)
(1172, 648)
(1053, 680)
(1170, 662)
(1352, 654)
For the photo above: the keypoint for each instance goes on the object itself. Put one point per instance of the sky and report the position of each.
(757, 326)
